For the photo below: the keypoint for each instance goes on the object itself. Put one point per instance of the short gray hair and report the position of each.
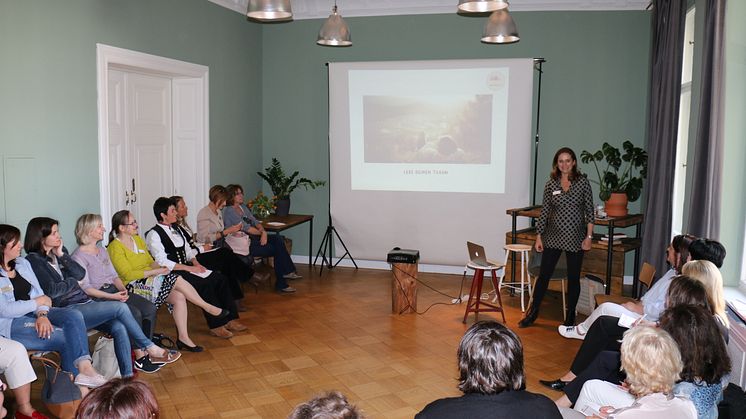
(490, 359)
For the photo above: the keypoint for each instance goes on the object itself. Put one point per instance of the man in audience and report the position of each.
(490, 359)
(331, 405)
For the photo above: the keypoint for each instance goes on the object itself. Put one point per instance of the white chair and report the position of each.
(524, 282)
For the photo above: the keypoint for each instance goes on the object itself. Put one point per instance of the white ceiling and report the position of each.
(314, 9)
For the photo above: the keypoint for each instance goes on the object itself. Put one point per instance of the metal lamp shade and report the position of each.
(481, 6)
(500, 29)
(268, 10)
(334, 32)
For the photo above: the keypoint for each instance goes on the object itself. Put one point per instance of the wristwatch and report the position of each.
(41, 314)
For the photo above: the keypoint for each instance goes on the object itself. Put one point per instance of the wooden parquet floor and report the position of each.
(338, 332)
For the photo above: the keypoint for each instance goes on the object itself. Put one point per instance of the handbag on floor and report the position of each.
(59, 393)
(104, 358)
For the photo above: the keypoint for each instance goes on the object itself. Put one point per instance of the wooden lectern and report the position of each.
(404, 288)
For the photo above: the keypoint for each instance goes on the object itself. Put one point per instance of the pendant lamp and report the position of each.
(481, 6)
(269, 10)
(500, 29)
(334, 32)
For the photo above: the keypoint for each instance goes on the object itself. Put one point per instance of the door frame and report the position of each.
(109, 57)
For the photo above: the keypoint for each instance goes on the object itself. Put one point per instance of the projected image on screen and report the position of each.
(427, 129)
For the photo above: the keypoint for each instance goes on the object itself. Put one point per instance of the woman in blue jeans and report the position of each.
(59, 274)
(26, 315)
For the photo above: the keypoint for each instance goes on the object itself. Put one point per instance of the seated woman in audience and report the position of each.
(261, 243)
(102, 283)
(134, 264)
(652, 303)
(19, 373)
(652, 361)
(59, 276)
(708, 273)
(171, 249)
(705, 363)
(120, 398)
(27, 315)
(490, 360)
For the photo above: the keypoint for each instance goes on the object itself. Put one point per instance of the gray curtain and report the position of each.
(663, 119)
(704, 199)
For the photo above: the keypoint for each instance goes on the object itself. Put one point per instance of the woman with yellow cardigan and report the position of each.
(134, 264)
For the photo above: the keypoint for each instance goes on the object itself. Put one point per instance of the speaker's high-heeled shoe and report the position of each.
(530, 318)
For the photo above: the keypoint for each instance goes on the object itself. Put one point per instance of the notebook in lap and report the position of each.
(477, 256)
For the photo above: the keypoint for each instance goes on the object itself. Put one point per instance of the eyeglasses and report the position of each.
(133, 223)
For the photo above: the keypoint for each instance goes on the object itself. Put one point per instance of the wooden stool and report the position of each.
(404, 288)
(475, 295)
(523, 249)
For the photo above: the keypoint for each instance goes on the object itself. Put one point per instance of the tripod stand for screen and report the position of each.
(327, 245)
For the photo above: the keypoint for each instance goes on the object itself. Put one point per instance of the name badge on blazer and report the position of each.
(6, 289)
(556, 192)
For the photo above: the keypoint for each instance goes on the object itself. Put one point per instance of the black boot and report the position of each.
(531, 314)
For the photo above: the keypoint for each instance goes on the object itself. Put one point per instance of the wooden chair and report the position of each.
(646, 277)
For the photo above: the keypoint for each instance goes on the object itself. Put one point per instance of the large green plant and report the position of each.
(283, 185)
(609, 179)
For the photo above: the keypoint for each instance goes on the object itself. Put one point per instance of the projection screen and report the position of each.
(428, 154)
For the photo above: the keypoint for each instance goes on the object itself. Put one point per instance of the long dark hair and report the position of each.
(700, 341)
(232, 191)
(685, 290)
(556, 174)
(37, 230)
(9, 236)
(119, 219)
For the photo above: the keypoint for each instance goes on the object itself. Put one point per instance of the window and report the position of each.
(682, 142)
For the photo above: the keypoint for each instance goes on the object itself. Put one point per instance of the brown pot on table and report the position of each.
(616, 205)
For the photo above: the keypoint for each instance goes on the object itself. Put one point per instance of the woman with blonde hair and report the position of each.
(707, 273)
(652, 361)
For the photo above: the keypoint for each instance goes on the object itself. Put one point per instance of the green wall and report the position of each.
(594, 87)
(733, 206)
(48, 107)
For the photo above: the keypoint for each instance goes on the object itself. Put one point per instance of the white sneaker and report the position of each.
(570, 332)
(292, 275)
(90, 381)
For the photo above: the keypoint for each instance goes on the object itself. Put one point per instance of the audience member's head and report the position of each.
(9, 237)
(703, 352)
(119, 221)
(707, 273)
(37, 232)
(218, 195)
(120, 398)
(680, 245)
(685, 290)
(84, 226)
(331, 405)
(233, 190)
(161, 208)
(490, 359)
(706, 249)
(651, 359)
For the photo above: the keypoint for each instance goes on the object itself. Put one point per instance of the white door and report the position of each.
(140, 144)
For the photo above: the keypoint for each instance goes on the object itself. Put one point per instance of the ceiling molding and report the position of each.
(319, 9)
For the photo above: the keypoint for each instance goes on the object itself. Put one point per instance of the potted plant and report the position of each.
(618, 185)
(262, 205)
(283, 185)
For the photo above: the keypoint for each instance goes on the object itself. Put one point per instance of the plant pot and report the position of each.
(616, 206)
(283, 207)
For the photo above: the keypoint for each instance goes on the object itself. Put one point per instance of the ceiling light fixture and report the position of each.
(481, 6)
(334, 32)
(269, 10)
(500, 29)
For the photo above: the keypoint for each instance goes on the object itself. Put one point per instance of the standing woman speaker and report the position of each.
(565, 224)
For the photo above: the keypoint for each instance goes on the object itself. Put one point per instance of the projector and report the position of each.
(397, 255)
